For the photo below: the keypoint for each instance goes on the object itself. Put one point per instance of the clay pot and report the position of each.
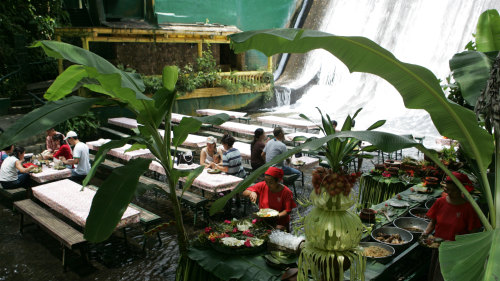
(367, 215)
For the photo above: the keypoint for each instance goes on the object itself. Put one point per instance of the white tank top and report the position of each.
(8, 171)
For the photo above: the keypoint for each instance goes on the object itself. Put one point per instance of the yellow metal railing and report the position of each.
(237, 77)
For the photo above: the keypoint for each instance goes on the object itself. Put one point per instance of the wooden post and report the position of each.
(200, 49)
(270, 64)
(59, 61)
(85, 43)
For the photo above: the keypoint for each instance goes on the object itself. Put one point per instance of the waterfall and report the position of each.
(282, 95)
(423, 32)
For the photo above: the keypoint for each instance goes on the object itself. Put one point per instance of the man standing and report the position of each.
(52, 145)
(80, 157)
(276, 147)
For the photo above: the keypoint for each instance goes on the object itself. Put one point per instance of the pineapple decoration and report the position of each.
(332, 232)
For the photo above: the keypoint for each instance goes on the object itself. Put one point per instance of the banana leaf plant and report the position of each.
(340, 152)
(126, 89)
(471, 69)
(419, 89)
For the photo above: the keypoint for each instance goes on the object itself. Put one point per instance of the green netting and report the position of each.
(246, 15)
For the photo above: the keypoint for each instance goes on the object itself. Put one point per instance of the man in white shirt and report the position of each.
(80, 157)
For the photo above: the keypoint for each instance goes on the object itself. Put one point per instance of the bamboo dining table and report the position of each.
(245, 129)
(71, 200)
(121, 152)
(124, 122)
(50, 174)
(232, 114)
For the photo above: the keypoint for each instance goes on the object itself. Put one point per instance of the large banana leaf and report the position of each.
(44, 118)
(488, 31)
(471, 70)
(94, 72)
(419, 88)
(112, 199)
(478, 248)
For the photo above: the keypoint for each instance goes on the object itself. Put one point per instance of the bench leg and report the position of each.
(64, 257)
(21, 223)
(124, 229)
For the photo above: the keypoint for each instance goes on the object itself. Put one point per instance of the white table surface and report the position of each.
(120, 151)
(68, 198)
(290, 122)
(290, 137)
(232, 114)
(195, 141)
(241, 128)
(50, 174)
(124, 122)
(213, 183)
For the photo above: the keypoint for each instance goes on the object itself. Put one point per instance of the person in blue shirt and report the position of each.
(276, 147)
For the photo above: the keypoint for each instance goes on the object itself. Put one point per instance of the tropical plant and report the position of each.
(95, 73)
(85, 125)
(420, 89)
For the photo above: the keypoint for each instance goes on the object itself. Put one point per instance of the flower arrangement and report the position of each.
(236, 234)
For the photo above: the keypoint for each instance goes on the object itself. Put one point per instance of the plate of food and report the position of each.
(430, 241)
(214, 171)
(37, 170)
(418, 197)
(267, 213)
(376, 250)
(59, 167)
(298, 163)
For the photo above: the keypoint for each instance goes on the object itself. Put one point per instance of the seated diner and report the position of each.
(231, 158)
(64, 149)
(12, 173)
(211, 154)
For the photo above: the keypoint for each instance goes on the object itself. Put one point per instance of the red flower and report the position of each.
(227, 221)
(225, 235)
(212, 240)
(254, 221)
(235, 230)
(247, 243)
(247, 233)
(386, 175)
(412, 173)
(208, 229)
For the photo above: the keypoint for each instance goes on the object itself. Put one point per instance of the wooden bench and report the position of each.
(113, 134)
(193, 201)
(15, 194)
(68, 236)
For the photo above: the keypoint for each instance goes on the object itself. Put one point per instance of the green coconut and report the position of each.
(334, 231)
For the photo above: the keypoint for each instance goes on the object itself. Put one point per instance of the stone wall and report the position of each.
(149, 58)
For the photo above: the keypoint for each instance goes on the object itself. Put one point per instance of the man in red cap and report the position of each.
(453, 215)
(274, 195)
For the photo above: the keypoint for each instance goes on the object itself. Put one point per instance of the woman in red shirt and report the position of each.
(453, 215)
(274, 195)
(64, 149)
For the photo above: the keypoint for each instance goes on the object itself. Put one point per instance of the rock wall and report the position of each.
(149, 58)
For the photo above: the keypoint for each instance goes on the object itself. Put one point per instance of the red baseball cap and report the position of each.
(275, 173)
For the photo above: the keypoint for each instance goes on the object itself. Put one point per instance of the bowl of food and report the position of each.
(419, 213)
(377, 251)
(298, 163)
(430, 202)
(393, 236)
(414, 225)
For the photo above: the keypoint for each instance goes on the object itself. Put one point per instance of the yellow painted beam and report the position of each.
(155, 40)
(85, 43)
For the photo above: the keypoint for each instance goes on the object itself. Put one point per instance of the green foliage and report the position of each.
(203, 75)
(152, 83)
(488, 31)
(339, 153)
(449, 154)
(21, 23)
(84, 125)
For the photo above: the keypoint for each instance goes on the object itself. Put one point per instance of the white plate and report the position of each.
(418, 197)
(267, 213)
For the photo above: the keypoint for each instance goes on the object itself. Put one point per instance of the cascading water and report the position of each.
(282, 95)
(423, 32)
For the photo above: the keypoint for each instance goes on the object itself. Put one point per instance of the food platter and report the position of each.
(214, 171)
(399, 203)
(37, 170)
(298, 163)
(59, 167)
(418, 197)
(377, 251)
(267, 213)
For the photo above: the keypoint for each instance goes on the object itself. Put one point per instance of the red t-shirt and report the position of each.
(453, 220)
(278, 201)
(65, 151)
